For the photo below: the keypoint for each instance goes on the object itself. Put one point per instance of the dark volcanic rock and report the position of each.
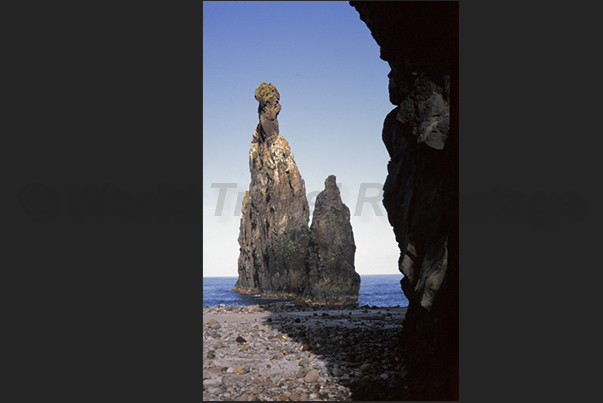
(419, 40)
(331, 274)
(274, 231)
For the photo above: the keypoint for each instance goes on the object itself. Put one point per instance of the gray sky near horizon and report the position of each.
(325, 64)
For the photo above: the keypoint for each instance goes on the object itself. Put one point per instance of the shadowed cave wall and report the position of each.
(419, 40)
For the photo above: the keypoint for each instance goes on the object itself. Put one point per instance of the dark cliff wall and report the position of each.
(419, 40)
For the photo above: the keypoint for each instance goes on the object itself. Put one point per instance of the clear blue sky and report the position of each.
(325, 64)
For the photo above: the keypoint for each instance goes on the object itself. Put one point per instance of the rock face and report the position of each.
(419, 40)
(274, 231)
(331, 274)
(280, 256)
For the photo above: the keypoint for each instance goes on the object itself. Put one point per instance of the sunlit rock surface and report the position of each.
(274, 231)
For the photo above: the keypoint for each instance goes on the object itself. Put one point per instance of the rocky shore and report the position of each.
(283, 352)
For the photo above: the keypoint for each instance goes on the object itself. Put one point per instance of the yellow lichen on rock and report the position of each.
(265, 92)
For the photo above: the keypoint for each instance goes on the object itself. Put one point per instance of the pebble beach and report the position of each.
(284, 352)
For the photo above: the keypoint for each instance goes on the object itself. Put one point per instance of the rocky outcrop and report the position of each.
(331, 274)
(274, 231)
(280, 256)
(419, 40)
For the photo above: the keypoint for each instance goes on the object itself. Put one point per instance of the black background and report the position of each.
(110, 309)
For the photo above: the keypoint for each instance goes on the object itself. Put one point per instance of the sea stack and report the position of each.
(331, 275)
(274, 231)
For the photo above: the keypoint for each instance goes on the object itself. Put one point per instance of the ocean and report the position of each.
(382, 290)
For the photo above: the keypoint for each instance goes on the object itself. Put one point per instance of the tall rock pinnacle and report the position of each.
(331, 274)
(274, 231)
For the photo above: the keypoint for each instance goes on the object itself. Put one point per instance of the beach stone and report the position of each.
(239, 339)
(337, 371)
(211, 355)
(312, 376)
(215, 391)
(235, 379)
(212, 383)
(212, 322)
(243, 369)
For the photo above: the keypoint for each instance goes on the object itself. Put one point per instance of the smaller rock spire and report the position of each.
(331, 274)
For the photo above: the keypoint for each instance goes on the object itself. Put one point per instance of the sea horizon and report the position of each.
(381, 290)
(360, 274)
